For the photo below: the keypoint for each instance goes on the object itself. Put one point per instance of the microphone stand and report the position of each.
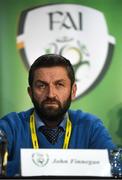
(3, 156)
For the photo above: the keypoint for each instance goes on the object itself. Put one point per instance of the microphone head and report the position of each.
(3, 137)
(3, 153)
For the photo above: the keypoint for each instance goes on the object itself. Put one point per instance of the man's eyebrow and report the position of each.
(60, 80)
(41, 81)
(45, 82)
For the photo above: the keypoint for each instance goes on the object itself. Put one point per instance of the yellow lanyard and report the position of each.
(34, 136)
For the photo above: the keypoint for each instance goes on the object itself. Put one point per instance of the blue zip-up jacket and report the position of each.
(88, 132)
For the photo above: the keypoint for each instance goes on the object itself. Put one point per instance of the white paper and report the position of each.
(59, 162)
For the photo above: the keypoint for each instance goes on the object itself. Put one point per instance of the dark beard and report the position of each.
(50, 113)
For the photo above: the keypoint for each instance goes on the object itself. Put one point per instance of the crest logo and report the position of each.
(40, 159)
(76, 32)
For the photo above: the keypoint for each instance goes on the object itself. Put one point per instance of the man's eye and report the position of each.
(60, 85)
(41, 86)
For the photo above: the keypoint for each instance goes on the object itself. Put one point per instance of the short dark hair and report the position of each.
(51, 60)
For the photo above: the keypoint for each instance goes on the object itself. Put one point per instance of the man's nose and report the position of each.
(51, 91)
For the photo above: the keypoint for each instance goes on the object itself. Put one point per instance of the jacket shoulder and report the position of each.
(78, 116)
(14, 117)
(81, 114)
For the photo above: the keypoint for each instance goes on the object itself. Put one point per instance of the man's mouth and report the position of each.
(51, 103)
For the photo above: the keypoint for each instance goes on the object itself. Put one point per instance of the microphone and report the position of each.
(3, 153)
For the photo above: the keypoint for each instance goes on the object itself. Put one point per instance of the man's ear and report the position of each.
(74, 90)
(29, 91)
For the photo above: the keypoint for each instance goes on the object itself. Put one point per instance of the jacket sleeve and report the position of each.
(100, 137)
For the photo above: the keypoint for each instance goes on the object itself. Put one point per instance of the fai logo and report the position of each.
(76, 32)
(40, 159)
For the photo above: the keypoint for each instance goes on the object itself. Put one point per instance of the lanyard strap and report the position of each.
(67, 134)
(34, 135)
(33, 132)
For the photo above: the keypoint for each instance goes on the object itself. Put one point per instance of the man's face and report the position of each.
(51, 91)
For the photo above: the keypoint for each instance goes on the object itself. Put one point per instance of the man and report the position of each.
(51, 124)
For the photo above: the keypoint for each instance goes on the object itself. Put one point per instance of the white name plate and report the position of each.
(59, 162)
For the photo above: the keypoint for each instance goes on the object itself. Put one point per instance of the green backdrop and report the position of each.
(105, 100)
